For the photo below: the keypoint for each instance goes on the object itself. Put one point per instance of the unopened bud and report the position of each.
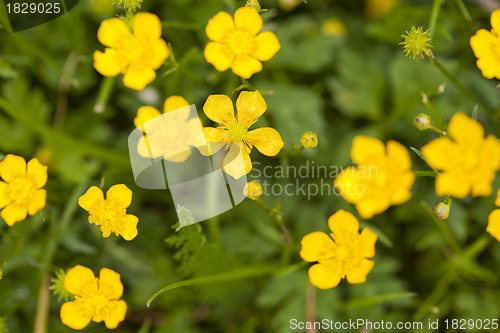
(422, 121)
(57, 286)
(309, 140)
(130, 5)
(442, 211)
(253, 3)
(253, 190)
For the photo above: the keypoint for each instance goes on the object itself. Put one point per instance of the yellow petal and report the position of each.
(75, 315)
(129, 230)
(358, 275)
(495, 20)
(481, 43)
(452, 183)
(4, 195)
(368, 207)
(117, 311)
(12, 167)
(13, 213)
(38, 202)
(214, 139)
(80, 279)
(250, 105)
(120, 195)
(246, 66)
(490, 153)
(403, 184)
(489, 66)
(343, 226)
(147, 26)
(174, 103)
(109, 63)
(110, 284)
(237, 162)
(365, 245)
(37, 173)
(138, 79)
(316, 246)
(267, 140)
(398, 154)
(481, 184)
(497, 200)
(92, 200)
(465, 130)
(112, 32)
(442, 154)
(323, 277)
(219, 108)
(218, 26)
(267, 46)
(159, 53)
(367, 150)
(180, 155)
(493, 227)
(219, 55)
(347, 183)
(145, 114)
(248, 19)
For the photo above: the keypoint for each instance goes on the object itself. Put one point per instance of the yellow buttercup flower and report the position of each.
(136, 54)
(237, 44)
(343, 257)
(468, 163)
(233, 131)
(21, 190)
(96, 299)
(493, 227)
(253, 190)
(485, 45)
(147, 113)
(111, 213)
(383, 176)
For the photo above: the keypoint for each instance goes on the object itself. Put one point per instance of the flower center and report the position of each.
(240, 42)
(20, 190)
(236, 132)
(342, 253)
(470, 159)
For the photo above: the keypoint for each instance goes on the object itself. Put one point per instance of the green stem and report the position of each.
(43, 306)
(463, 10)
(105, 90)
(436, 8)
(443, 227)
(424, 173)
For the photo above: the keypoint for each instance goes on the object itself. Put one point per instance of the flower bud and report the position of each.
(422, 121)
(415, 43)
(442, 211)
(130, 5)
(57, 286)
(253, 190)
(253, 3)
(309, 140)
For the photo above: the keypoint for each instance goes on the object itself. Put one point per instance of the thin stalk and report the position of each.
(105, 91)
(424, 173)
(436, 8)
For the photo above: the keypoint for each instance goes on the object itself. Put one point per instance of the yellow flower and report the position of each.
(309, 140)
(170, 136)
(383, 178)
(111, 213)
(344, 256)
(333, 27)
(493, 227)
(137, 54)
(253, 190)
(377, 8)
(485, 45)
(468, 163)
(236, 43)
(96, 299)
(233, 131)
(21, 191)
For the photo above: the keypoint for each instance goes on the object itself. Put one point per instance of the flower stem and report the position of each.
(436, 8)
(43, 307)
(105, 90)
(424, 173)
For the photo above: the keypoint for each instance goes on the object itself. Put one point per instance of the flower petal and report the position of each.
(493, 227)
(250, 105)
(145, 114)
(160, 53)
(316, 246)
(117, 311)
(14, 213)
(266, 139)
(138, 79)
(12, 167)
(481, 43)
(219, 55)
(343, 226)
(401, 191)
(4, 195)
(78, 279)
(109, 63)
(111, 32)
(365, 245)
(497, 200)
(371, 206)
(38, 202)
(173, 103)
(465, 130)
(120, 195)
(218, 26)
(92, 200)
(322, 276)
(37, 173)
(219, 108)
(495, 20)
(147, 26)
(267, 46)
(75, 315)
(441, 153)
(366, 150)
(398, 155)
(129, 230)
(346, 184)
(246, 66)
(453, 183)
(489, 66)
(248, 19)
(110, 284)
(358, 275)
(237, 162)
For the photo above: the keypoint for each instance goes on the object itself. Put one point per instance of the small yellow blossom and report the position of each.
(237, 44)
(233, 131)
(378, 8)
(485, 45)
(343, 257)
(468, 163)
(137, 54)
(333, 27)
(21, 190)
(147, 113)
(253, 190)
(96, 299)
(383, 176)
(309, 140)
(111, 213)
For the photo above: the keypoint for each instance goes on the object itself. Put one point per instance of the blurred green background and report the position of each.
(340, 73)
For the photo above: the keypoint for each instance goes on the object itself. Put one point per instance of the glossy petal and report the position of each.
(214, 139)
(12, 167)
(147, 26)
(120, 195)
(489, 66)
(4, 195)
(117, 312)
(481, 43)
(79, 279)
(493, 227)
(130, 227)
(250, 106)
(37, 173)
(38, 202)
(495, 20)
(365, 245)
(246, 66)
(452, 183)
(402, 193)
(482, 184)
(219, 55)
(75, 316)
(144, 114)
(13, 213)
(219, 108)
(109, 63)
(237, 162)
(267, 46)
(399, 155)
(497, 200)
(248, 19)
(323, 277)
(218, 26)
(138, 79)
(343, 226)
(358, 275)
(366, 150)
(266, 139)
(316, 246)
(369, 207)
(173, 103)
(465, 130)
(346, 184)
(110, 284)
(112, 32)
(441, 153)
(160, 53)
(92, 200)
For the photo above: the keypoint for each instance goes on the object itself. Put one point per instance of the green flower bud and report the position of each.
(442, 211)
(422, 121)
(57, 286)
(130, 5)
(415, 43)
(254, 4)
